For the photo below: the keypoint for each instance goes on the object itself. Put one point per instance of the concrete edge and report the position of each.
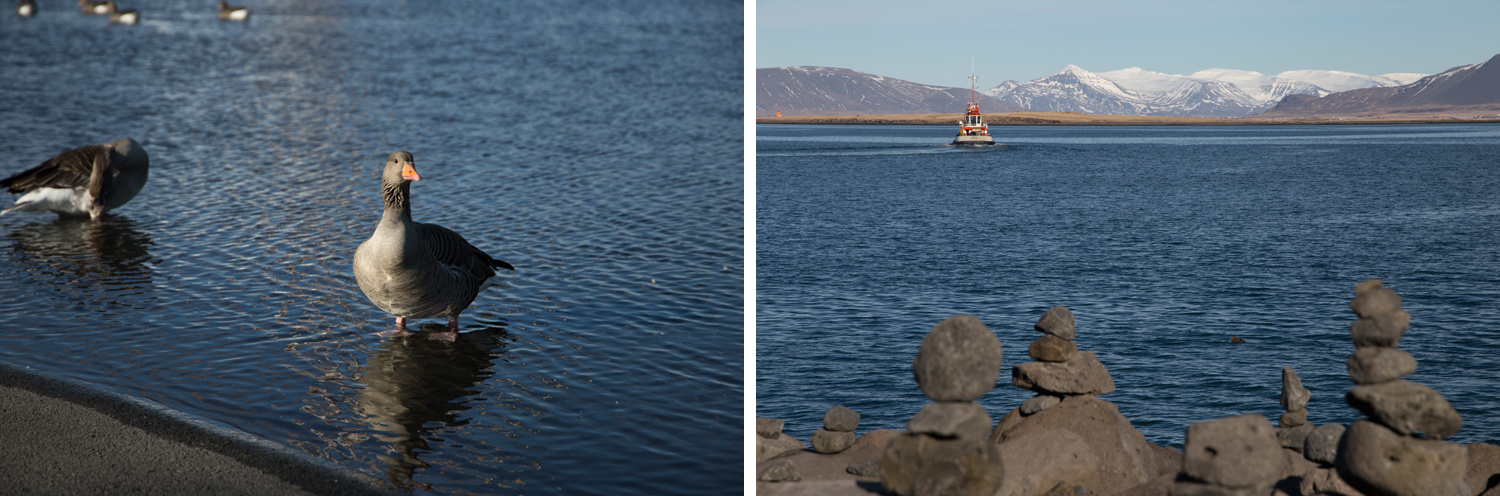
(313, 474)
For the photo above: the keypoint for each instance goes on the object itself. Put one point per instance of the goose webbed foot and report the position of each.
(399, 330)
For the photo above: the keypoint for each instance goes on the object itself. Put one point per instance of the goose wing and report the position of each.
(69, 169)
(451, 249)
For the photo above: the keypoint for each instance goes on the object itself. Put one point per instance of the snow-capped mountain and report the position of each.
(809, 90)
(1208, 93)
(1468, 89)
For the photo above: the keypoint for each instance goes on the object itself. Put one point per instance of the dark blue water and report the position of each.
(1164, 241)
(597, 146)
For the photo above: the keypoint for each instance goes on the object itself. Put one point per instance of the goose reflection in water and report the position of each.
(82, 252)
(414, 386)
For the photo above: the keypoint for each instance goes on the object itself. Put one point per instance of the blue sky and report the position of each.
(1025, 40)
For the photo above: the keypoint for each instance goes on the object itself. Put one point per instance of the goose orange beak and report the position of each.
(409, 173)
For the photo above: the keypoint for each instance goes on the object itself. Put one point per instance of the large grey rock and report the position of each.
(826, 441)
(1058, 321)
(1126, 459)
(867, 468)
(1484, 466)
(1294, 438)
(959, 360)
(1293, 396)
(1051, 348)
(1326, 481)
(922, 465)
(1374, 365)
(965, 419)
(1082, 374)
(767, 448)
(1322, 443)
(769, 428)
(841, 419)
(1375, 302)
(1038, 403)
(1233, 452)
(1042, 460)
(1380, 330)
(1380, 462)
(1406, 407)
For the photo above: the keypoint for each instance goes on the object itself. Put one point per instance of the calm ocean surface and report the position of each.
(1164, 241)
(595, 145)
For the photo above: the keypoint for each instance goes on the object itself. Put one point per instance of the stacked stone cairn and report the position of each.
(837, 433)
(1294, 427)
(944, 450)
(1060, 369)
(1235, 456)
(1383, 455)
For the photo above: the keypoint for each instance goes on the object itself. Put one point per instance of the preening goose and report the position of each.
(414, 270)
(232, 13)
(88, 180)
(118, 15)
(100, 7)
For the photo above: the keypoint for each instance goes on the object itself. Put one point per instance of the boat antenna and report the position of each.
(973, 80)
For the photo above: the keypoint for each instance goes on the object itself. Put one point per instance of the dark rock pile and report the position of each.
(837, 433)
(1060, 369)
(1294, 427)
(770, 441)
(1384, 455)
(944, 451)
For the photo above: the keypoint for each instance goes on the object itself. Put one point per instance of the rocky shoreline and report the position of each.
(1067, 441)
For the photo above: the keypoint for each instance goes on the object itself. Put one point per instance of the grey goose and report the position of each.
(88, 180)
(413, 270)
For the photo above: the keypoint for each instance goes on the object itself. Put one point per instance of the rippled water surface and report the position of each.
(1163, 241)
(594, 145)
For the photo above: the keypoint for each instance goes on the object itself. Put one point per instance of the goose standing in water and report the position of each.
(232, 13)
(415, 270)
(88, 180)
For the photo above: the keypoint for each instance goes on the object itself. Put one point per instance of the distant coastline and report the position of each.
(1078, 119)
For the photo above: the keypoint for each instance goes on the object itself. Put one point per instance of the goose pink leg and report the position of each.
(400, 329)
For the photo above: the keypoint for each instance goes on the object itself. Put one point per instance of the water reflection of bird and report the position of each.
(232, 13)
(415, 270)
(414, 386)
(88, 180)
(114, 252)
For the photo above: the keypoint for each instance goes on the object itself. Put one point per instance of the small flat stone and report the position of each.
(1058, 321)
(1293, 396)
(779, 471)
(959, 360)
(1038, 403)
(1323, 443)
(1294, 437)
(1374, 365)
(1375, 302)
(1052, 349)
(841, 419)
(1377, 460)
(950, 419)
(1082, 374)
(1292, 419)
(1406, 407)
(769, 428)
(826, 441)
(867, 468)
(1380, 330)
(1233, 452)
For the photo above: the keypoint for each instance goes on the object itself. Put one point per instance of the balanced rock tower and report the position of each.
(1060, 369)
(1294, 427)
(1382, 456)
(944, 451)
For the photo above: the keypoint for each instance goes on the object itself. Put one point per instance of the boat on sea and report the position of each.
(972, 129)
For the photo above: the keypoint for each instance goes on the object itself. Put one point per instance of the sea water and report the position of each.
(1164, 242)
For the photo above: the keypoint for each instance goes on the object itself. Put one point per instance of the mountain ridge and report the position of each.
(814, 90)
